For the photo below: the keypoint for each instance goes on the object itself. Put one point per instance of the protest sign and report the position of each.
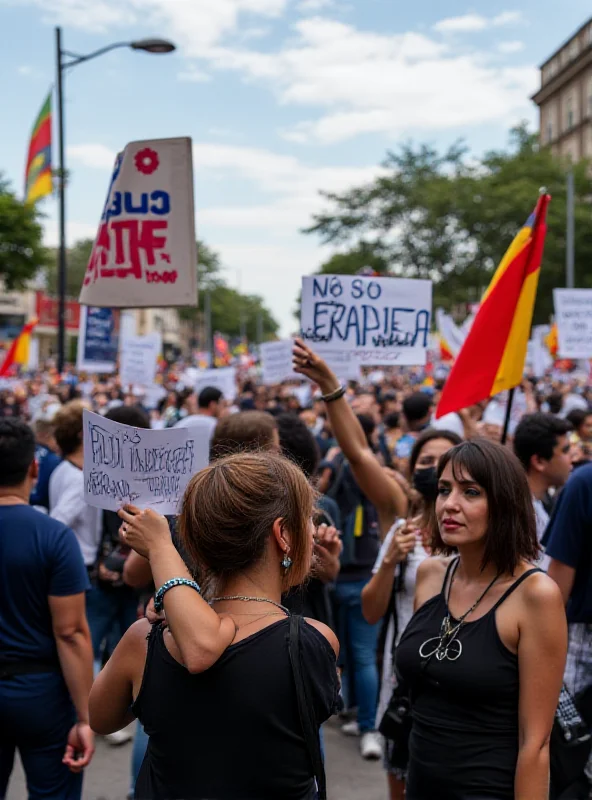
(139, 359)
(144, 254)
(97, 340)
(136, 465)
(538, 357)
(223, 378)
(372, 321)
(573, 313)
(276, 362)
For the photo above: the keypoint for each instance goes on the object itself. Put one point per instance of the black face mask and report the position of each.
(425, 481)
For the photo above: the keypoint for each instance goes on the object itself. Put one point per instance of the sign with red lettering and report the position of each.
(46, 311)
(144, 254)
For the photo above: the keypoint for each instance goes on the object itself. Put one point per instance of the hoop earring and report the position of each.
(286, 562)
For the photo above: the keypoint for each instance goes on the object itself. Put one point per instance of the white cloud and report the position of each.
(470, 23)
(93, 155)
(194, 75)
(307, 6)
(75, 231)
(510, 47)
(25, 70)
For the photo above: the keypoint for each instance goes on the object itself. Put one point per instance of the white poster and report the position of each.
(276, 362)
(97, 340)
(133, 465)
(138, 360)
(540, 358)
(144, 254)
(573, 314)
(223, 378)
(371, 321)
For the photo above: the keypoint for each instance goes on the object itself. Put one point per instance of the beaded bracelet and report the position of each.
(336, 394)
(159, 596)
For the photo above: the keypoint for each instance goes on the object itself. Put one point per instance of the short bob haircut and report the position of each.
(228, 513)
(68, 427)
(246, 430)
(511, 528)
(430, 435)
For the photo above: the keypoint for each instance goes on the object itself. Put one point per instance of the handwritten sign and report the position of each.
(223, 379)
(144, 254)
(139, 359)
(97, 340)
(276, 362)
(133, 465)
(377, 321)
(573, 313)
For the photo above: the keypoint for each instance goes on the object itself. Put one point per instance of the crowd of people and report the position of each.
(345, 552)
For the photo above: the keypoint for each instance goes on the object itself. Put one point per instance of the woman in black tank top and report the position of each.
(216, 692)
(483, 656)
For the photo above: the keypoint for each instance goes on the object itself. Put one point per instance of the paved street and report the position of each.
(349, 777)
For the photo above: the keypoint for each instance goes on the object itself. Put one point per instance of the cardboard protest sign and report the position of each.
(373, 321)
(133, 465)
(276, 362)
(223, 378)
(139, 359)
(573, 314)
(144, 254)
(97, 340)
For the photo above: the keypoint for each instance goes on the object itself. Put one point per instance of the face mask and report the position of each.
(425, 481)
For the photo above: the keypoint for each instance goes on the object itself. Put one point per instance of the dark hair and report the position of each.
(392, 420)
(209, 395)
(577, 417)
(247, 430)
(417, 406)
(17, 451)
(298, 443)
(68, 427)
(183, 396)
(511, 527)
(229, 509)
(368, 426)
(429, 436)
(536, 435)
(555, 402)
(135, 416)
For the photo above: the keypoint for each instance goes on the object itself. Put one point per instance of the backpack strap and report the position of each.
(307, 720)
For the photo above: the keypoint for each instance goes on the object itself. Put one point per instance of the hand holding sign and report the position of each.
(308, 363)
(144, 531)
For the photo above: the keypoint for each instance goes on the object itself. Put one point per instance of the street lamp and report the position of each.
(66, 60)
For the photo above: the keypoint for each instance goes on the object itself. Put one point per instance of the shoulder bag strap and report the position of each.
(309, 724)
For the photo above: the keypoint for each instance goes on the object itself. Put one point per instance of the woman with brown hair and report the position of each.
(215, 690)
(484, 653)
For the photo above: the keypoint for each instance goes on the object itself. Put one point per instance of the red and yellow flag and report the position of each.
(18, 352)
(38, 182)
(493, 354)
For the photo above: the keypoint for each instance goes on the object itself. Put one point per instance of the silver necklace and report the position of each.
(247, 599)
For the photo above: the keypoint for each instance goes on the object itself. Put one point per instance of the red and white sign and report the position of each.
(46, 311)
(145, 253)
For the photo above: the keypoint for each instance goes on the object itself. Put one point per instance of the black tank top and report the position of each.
(464, 734)
(232, 732)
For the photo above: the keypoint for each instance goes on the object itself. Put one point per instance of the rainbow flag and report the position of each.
(18, 352)
(38, 182)
(492, 357)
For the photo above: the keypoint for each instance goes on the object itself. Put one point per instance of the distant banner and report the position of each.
(223, 379)
(134, 465)
(276, 362)
(97, 340)
(373, 321)
(139, 359)
(145, 252)
(573, 314)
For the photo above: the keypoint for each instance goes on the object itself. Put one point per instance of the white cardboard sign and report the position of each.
(223, 378)
(141, 466)
(375, 321)
(276, 362)
(573, 313)
(139, 359)
(144, 254)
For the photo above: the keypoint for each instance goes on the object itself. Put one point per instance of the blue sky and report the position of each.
(282, 98)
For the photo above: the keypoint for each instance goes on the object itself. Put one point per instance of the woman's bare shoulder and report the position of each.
(430, 578)
(326, 631)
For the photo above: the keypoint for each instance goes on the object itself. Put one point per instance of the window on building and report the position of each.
(569, 113)
(549, 132)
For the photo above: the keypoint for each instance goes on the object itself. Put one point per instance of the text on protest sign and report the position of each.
(223, 379)
(132, 465)
(376, 320)
(97, 340)
(276, 362)
(144, 254)
(139, 359)
(573, 314)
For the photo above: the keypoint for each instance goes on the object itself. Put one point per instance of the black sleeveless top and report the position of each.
(464, 734)
(232, 732)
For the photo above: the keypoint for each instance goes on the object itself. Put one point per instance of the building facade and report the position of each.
(565, 97)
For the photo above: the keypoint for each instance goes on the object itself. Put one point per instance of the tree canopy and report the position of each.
(21, 248)
(449, 217)
(77, 259)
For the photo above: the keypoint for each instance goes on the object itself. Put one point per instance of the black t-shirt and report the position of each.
(233, 732)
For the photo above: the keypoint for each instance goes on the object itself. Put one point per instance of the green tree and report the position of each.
(21, 249)
(77, 259)
(450, 218)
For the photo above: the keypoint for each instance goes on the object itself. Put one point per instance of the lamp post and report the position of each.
(66, 60)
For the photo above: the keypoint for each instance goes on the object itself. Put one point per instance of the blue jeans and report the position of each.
(359, 642)
(36, 715)
(107, 611)
(139, 751)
